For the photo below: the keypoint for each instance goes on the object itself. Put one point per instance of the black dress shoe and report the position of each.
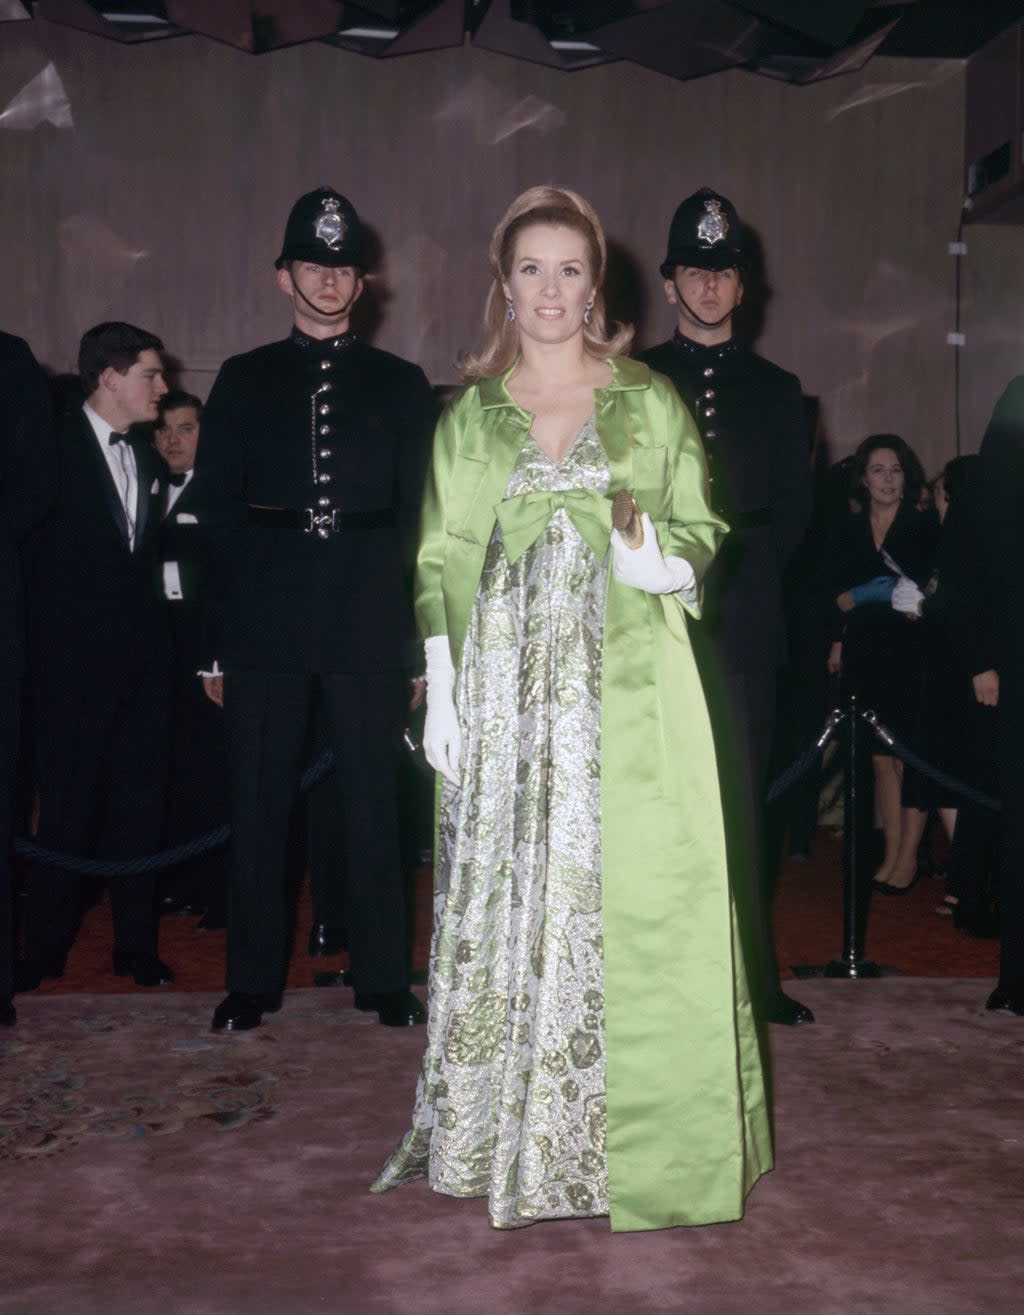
(325, 941)
(1006, 1000)
(240, 1011)
(980, 923)
(176, 904)
(340, 977)
(146, 969)
(787, 1011)
(393, 1008)
(7, 1015)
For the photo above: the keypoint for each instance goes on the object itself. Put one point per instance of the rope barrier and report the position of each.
(166, 858)
(317, 770)
(803, 764)
(927, 769)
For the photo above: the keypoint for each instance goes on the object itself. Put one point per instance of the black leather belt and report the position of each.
(322, 521)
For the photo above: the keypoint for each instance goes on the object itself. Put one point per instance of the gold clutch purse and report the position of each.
(626, 519)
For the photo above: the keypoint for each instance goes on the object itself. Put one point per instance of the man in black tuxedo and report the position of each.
(27, 484)
(197, 798)
(100, 658)
(997, 540)
(751, 417)
(312, 462)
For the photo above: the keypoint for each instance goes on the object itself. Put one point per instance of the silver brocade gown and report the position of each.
(510, 1102)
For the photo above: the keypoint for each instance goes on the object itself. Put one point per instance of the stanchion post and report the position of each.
(852, 963)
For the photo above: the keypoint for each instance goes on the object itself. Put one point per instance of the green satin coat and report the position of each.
(688, 1128)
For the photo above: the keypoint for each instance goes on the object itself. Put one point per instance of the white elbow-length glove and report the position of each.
(906, 597)
(442, 739)
(645, 568)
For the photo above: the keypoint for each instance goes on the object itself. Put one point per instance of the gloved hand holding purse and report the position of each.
(645, 568)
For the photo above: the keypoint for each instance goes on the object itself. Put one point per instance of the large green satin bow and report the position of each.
(524, 517)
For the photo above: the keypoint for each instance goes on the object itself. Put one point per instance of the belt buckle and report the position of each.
(322, 523)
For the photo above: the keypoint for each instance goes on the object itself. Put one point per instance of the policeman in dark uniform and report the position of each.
(750, 414)
(994, 557)
(28, 483)
(311, 469)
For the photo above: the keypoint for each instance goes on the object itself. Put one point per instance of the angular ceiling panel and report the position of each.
(685, 39)
(439, 29)
(258, 25)
(499, 30)
(795, 40)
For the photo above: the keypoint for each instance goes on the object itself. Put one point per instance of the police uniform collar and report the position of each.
(627, 375)
(323, 346)
(698, 351)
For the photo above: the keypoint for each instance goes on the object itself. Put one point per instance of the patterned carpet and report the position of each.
(114, 1068)
(150, 1167)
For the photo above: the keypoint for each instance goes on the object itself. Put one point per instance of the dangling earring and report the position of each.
(510, 314)
(588, 317)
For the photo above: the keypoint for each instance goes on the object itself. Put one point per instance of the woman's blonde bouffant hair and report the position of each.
(558, 207)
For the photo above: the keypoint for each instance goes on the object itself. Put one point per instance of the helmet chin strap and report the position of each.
(328, 314)
(705, 324)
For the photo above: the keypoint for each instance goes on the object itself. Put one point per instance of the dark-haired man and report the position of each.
(100, 664)
(197, 796)
(312, 461)
(750, 415)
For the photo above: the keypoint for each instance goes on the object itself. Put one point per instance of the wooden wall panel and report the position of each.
(166, 201)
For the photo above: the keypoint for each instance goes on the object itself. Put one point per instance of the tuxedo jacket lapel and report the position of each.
(145, 477)
(185, 502)
(93, 461)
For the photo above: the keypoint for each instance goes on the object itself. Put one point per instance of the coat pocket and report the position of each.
(465, 480)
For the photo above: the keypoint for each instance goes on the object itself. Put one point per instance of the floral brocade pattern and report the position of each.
(511, 1099)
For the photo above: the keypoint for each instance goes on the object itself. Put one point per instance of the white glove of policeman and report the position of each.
(442, 739)
(645, 568)
(906, 597)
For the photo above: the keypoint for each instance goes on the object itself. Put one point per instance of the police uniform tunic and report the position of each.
(311, 467)
(750, 415)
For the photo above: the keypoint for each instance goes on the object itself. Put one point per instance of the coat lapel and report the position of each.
(144, 478)
(96, 463)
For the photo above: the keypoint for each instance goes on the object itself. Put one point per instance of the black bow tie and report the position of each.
(176, 480)
(115, 437)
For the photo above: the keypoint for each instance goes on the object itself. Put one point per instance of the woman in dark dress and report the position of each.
(879, 651)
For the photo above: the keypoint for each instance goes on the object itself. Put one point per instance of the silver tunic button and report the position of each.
(326, 453)
(323, 502)
(325, 365)
(324, 430)
(709, 395)
(709, 370)
(324, 409)
(321, 533)
(710, 412)
(710, 434)
(323, 479)
(325, 387)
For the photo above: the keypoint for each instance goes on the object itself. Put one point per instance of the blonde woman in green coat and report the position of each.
(591, 1049)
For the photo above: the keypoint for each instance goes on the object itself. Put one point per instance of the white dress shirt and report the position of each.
(120, 461)
(172, 576)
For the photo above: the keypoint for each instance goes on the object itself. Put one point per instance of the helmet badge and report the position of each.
(713, 226)
(330, 227)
